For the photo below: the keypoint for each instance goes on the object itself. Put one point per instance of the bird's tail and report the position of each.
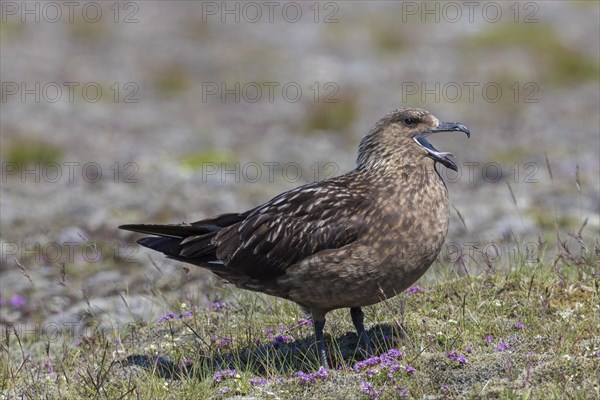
(170, 239)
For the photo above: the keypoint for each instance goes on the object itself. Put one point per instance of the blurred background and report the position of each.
(129, 112)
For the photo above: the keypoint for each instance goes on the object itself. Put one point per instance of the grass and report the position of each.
(200, 159)
(526, 329)
(335, 116)
(524, 326)
(172, 80)
(25, 152)
(559, 64)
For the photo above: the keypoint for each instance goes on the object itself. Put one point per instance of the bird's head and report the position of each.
(402, 134)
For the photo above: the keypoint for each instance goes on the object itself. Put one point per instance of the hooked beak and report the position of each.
(442, 157)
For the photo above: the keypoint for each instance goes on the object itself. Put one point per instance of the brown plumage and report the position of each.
(349, 241)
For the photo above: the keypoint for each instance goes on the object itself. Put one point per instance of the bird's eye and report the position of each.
(410, 121)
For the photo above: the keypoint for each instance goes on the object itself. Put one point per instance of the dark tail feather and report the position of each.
(186, 242)
(180, 231)
(172, 248)
(166, 245)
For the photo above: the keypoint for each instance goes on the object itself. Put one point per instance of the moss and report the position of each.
(198, 160)
(172, 80)
(332, 116)
(25, 151)
(558, 63)
(511, 155)
(547, 220)
(10, 29)
(85, 30)
(387, 37)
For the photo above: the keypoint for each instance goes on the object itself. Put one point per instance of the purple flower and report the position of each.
(369, 390)
(488, 339)
(444, 388)
(223, 391)
(403, 392)
(455, 356)
(167, 316)
(321, 374)
(218, 305)
(519, 325)
(414, 290)
(223, 341)
(224, 374)
(281, 339)
(305, 378)
(48, 366)
(305, 321)
(503, 346)
(268, 332)
(394, 353)
(258, 381)
(386, 360)
(469, 350)
(360, 365)
(366, 386)
(172, 315)
(410, 370)
(393, 368)
(598, 353)
(17, 301)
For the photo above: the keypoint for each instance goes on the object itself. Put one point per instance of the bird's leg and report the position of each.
(358, 321)
(319, 325)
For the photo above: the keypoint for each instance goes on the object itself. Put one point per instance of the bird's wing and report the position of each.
(285, 230)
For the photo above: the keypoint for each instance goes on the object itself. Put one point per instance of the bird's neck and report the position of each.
(401, 171)
(411, 185)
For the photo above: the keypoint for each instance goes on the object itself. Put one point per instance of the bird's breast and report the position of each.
(412, 229)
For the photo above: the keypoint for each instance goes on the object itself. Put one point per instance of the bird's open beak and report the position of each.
(442, 157)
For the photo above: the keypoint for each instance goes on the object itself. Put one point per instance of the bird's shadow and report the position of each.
(284, 358)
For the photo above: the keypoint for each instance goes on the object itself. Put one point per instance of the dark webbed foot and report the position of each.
(358, 321)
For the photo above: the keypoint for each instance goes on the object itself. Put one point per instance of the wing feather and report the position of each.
(285, 230)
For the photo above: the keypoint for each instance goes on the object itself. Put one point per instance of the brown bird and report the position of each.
(350, 241)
